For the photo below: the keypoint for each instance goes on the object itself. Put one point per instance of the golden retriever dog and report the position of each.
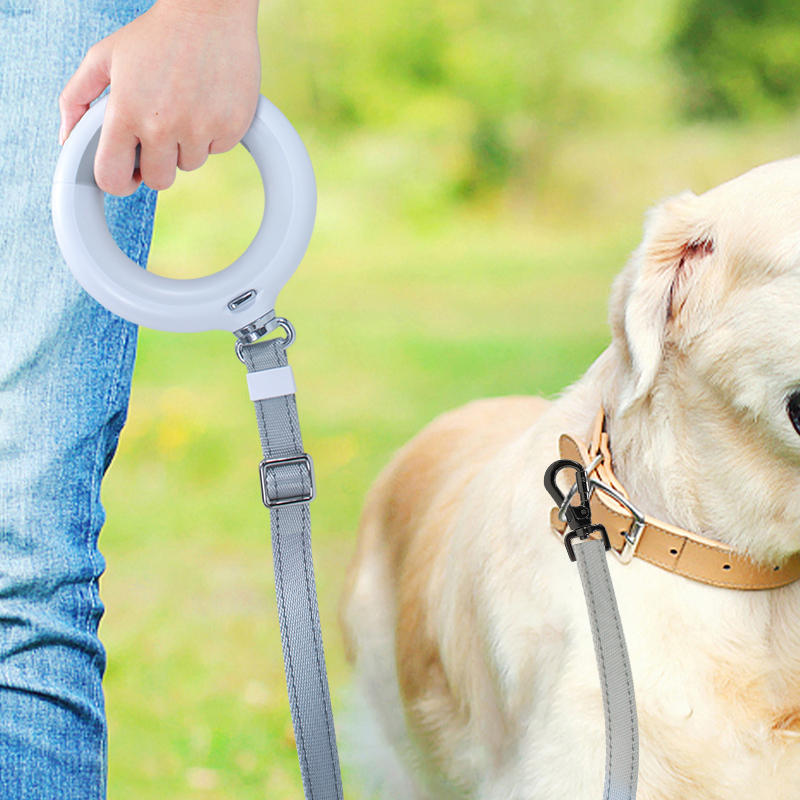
(464, 617)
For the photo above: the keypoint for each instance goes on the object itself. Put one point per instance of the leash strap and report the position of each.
(287, 483)
(616, 680)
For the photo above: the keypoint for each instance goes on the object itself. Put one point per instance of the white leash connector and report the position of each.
(240, 299)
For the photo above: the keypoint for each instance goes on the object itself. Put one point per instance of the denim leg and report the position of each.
(65, 371)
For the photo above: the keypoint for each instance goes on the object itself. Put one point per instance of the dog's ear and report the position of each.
(649, 296)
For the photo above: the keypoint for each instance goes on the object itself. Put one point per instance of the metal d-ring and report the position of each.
(290, 332)
(286, 342)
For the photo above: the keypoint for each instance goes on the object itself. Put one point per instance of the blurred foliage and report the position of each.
(489, 87)
(741, 57)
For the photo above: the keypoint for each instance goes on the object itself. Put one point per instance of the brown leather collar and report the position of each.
(659, 543)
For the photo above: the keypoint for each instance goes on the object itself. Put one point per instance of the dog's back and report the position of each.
(403, 536)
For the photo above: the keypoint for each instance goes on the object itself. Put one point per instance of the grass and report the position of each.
(402, 312)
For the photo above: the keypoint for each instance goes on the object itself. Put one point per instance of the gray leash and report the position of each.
(616, 681)
(613, 665)
(287, 487)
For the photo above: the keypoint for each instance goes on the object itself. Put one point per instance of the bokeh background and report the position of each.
(483, 170)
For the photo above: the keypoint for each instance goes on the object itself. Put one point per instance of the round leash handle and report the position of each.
(228, 300)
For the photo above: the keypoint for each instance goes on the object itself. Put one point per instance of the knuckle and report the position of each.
(231, 131)
(94, 55)
(154, 131)
(158, 127)
(223, 144)
(217, 147)
(240, 126)
(115, 186)
(159, 182)
(196, 132)
(191, 164)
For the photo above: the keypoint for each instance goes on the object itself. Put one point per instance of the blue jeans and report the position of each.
(65, 372)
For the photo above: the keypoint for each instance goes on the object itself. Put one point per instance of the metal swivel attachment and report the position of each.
(579, 517)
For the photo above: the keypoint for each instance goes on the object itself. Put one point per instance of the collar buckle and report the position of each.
(634, 533)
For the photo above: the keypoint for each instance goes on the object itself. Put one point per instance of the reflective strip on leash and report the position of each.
(287, 480)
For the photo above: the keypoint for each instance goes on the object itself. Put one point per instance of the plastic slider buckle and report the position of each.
(287, 487)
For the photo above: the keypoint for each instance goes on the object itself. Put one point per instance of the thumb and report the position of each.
(89, 80)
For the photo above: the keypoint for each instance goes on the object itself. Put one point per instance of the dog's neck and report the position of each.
(689, 464)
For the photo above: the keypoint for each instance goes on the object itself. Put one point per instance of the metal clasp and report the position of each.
(633, 533)
(562, 509)
(578, 517)
(280, 322)
(273, 486)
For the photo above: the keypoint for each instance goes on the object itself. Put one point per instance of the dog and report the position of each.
(464, 617)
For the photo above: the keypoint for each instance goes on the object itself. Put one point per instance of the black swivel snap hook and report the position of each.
(579, 517)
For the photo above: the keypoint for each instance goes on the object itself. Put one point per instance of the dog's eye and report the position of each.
(793, 409)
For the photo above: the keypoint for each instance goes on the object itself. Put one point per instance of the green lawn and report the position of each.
(403, 310)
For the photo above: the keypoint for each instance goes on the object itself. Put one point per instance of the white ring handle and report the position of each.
(197, 304)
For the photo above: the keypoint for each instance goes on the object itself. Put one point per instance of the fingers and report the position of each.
(89, 80)
(157, 163)
(115, 157)
(163, 150)
(182, 86)
(192, 155)
(237, 128)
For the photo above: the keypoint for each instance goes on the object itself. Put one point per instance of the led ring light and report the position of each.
(232, 299)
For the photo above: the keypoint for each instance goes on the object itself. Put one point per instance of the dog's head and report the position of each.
(706, 319)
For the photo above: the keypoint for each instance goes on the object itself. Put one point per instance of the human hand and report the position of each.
(184, 77)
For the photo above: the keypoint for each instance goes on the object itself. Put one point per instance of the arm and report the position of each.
(184, 78)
